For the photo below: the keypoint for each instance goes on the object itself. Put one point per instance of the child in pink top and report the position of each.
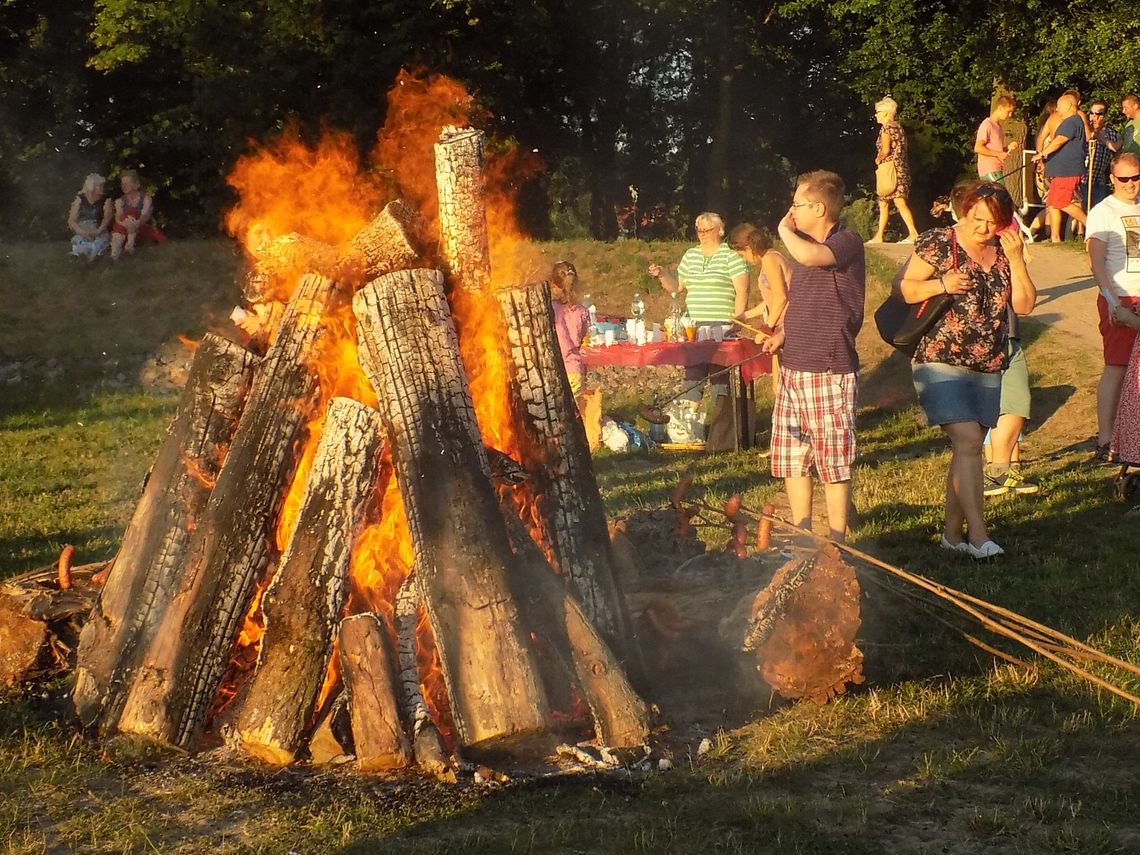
(571, 322)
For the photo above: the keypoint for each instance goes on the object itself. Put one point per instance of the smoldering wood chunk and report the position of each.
(147, 569)
(369, 668)
(462, 208)
(304, 600)
(569, 505)
(332, 737)
(803, 628)
(410, 354)
(230, 551)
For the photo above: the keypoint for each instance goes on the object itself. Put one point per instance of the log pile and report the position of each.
(496, 635)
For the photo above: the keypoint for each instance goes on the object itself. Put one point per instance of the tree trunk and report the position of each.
(462, 212)
(174, 687)
(304, 601)
(369, 669)
(570, 511)
(621, 717)
(145, 572)
(409, 351)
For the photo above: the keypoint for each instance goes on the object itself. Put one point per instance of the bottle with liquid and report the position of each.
(688, 327)
(588, 302)
(676, 333)
(637, 308)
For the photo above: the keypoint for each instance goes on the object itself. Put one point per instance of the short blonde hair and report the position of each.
(709, 218)
(887, 105)
(94, 181)
(824, 186)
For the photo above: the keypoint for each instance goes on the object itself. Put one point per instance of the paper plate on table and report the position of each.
(681, 446)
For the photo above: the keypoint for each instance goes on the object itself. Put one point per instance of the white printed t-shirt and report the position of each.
(1117, 225)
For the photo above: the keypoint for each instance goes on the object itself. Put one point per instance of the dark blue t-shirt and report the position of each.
(825, 308)
(1069, 159)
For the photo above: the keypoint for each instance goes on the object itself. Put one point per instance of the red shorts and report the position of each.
(813, 421)
(1062, 191)
(1118, 339)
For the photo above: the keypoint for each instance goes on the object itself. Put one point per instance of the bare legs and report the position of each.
(904, 212)
(837, 497)
(1107, 400)
(1003, 440)
(964, 484)
(1073, 210)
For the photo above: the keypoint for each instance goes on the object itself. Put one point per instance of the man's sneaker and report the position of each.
(1010, 481)
(995, 485)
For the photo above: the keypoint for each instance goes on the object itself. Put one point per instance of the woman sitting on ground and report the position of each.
(134, 217)
(958, 364)
(90, 219)
(571, 321)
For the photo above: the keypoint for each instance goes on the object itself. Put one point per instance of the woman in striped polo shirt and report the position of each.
(714, 279)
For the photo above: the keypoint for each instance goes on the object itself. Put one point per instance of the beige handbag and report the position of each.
(886, 179)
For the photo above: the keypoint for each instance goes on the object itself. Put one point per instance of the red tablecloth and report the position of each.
(722, 353)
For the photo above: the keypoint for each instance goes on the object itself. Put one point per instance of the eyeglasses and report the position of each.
(705, 231)
(802, 204)
(1127, 178)
(1096, 112)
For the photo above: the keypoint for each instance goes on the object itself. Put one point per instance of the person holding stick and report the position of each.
(989, 142)
(1103, 144)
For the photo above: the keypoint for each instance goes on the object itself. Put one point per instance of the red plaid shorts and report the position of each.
(814, 422)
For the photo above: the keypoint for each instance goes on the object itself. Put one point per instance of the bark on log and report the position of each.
(388, 242)
(427, 743)
(370, 678)
(570, 511)
(409, 352)
(146, 571)
(175, 685)
(621, 717)
(462, 211)
(304, 601)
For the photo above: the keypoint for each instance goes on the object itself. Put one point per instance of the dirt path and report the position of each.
(1064, 353)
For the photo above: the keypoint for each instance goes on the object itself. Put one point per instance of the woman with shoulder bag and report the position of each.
(958, 363)
(892, 171)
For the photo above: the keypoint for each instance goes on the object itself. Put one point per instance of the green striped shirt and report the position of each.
(709, 295)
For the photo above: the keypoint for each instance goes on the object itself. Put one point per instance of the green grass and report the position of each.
(941, 751)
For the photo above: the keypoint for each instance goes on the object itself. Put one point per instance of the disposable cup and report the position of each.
(716, 331)
(609, 337)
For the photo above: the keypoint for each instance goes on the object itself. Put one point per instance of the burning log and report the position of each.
(427, 743)
(145, 573)
(304, 601)
(388, 242)
(570, 514)
(621, 717)
(462, 212)
(409, 352)
(369, 668)
(179, 674)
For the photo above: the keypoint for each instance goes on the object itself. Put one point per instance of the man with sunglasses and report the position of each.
(1113, 240)
(1107, 144)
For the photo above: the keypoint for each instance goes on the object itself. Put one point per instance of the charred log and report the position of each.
(370, 678)
(232, 547)
(304, 601)
(409, 351)
(462, 212)
(145, 573)
(570, 511)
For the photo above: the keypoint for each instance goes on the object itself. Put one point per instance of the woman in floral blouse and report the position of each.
(958, 364)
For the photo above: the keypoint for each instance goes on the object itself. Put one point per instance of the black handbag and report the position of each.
(901, 324)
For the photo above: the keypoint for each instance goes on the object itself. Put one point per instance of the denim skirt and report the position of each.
(950, 393)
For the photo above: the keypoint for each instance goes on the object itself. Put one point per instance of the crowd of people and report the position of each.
(969, 370)
(97, 223)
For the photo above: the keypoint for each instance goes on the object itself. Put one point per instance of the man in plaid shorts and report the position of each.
(813, 422)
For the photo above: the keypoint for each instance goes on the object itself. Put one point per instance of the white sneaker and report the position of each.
(953, 547)
(989, 549)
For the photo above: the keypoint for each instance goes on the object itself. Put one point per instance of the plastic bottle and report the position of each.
(637, 307)
(588, 302)
(689, 329)
(674, 326)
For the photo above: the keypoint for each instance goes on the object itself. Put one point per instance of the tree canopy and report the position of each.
(706, 104)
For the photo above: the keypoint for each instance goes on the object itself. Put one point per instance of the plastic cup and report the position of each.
(609, 337)
(690, 333)
(716, 332)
